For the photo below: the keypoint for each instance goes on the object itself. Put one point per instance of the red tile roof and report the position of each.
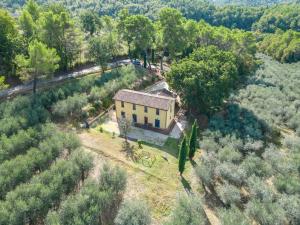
(144, 99)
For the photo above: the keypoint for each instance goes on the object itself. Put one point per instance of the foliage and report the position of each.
(284, 17)
(23, 167)
(183, 151)
(259, 189)
(236, 16)
(232, 216)
(193, 140)
(112, 179)
(138, 31)
(57, 30)
(90, 22)
(291, 205)
(71, 106)
(198, 90)
(282, 46)
(125, 126)
(32, 201)
(2, 84)
(243, 151)
(188, 211)
(90, 204)
(173, 38)
(140, 144)
(266, 95)
(42, 61)
(100, 51)
(9, 41)
(133, 212)
(229, 194)
(266, 213)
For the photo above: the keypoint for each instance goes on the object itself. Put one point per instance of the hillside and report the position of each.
(207, 134)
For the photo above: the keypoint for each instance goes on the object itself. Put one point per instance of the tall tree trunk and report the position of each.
(129, 51)
(34, 84)
(145, 59)
(153, 56)
(161, 62)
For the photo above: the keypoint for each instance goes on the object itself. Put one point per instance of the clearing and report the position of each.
(152, 171)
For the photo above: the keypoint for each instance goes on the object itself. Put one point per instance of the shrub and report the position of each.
(259, 189)
(133, 212)
(291, 205)
(255, 165)
(289, 184)
(231, 172)
(90, 205)
(101, 129)
(113, 179)
(229, 194)
(209, 145)
(267, 213)
(72, 106)
(292, 143)
(188, 211)
(140, 144)
(228, 154)
(205, 169)
(233, 216)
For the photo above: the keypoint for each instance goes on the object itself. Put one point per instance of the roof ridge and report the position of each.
(148, 94)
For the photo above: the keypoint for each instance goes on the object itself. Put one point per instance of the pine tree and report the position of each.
(182, 155)
(193, 141)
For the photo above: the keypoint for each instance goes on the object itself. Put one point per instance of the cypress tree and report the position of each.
(182, 155)
(193, 141)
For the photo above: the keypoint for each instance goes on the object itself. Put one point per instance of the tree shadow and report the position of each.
(186, 185)
(129, 150)
(242, 123)
(260, 82)
(169, 148)
(193, 162)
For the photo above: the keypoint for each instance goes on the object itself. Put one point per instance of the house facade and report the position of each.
(144, 109)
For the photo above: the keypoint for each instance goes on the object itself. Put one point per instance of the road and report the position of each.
(24, 88)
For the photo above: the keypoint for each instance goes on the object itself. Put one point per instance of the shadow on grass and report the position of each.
(186, 185)
(193, 162)
(170, 146)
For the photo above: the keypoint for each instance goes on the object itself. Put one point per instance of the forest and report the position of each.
(233, 63)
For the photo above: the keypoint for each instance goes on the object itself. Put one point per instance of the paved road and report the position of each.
(24, 88)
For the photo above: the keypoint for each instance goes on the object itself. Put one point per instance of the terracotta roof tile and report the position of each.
(145, 99)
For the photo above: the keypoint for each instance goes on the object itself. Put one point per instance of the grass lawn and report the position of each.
(152, 171)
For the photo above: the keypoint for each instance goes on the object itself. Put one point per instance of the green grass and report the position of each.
(156, 182)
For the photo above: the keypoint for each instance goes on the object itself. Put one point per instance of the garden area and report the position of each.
(152, 170)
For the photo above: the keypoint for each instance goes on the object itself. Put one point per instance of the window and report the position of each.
(157, 112)
(145, 120)
(122, 104)
(134, 106)
(134, 118)
(145, 109)
(157, 123)
(123, 114)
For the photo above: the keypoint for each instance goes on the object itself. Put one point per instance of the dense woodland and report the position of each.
(249, 165)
